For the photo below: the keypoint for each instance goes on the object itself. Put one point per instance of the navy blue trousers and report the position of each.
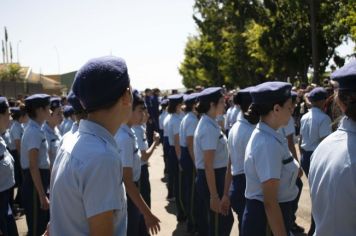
(133, 217)
(237, 196)
(255, 223)
(175, 182)
(145, 186)
(36, 218)
(209, 222)
(299, 184)
(305, 161)
(189, 175)
(165, 155)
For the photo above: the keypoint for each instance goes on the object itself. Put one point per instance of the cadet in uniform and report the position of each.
(270, 169)
(68, 120)
(315, 126)
(166, 150)
(174, 169)
(87, 193)
(211, 160)
(53, 136)
(239, 136)
(7, 174)
(162, 116)
(79, 112)
(332, 176)
(187, 160)
(35, 165)
(19, 116)
(130, 157)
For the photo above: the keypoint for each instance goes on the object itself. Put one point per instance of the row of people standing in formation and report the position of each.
(99, 175)
(49, 127)
(256, 170)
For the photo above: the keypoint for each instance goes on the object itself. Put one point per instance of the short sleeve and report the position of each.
(35, 140)
(176, 126)
(102, 186)
(126, 148)
(289, 129)
(325, 127)
(191, 126)
(268, 162)
(16, 132)
(210, 141)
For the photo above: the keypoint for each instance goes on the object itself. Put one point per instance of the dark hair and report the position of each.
(235, 99)
(349, 99)
(109, 104)
(255, 111)
(189, 106)
(172, 107)
(136, 102)
(3, 109)
(18, 115)
(204, 104)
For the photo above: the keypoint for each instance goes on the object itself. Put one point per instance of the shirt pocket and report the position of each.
(290, 171)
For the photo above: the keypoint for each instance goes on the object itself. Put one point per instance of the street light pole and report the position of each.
(17, 48)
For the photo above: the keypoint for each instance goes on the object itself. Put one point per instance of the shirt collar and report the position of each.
(34, 124)
(128, 130)
(90, 127)
(347, 124)
(212, 121)
(48, 128)
(265, 128)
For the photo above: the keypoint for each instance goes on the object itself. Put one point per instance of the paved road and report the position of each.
(165, 210)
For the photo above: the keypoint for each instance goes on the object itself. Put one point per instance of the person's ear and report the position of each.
(127, 97)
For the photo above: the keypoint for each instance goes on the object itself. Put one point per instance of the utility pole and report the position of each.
(314, 36)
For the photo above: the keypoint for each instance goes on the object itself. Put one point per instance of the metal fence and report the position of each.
(12, 88)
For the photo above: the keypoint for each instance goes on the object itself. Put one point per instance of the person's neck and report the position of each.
(212, 114)
(50, 124)
(271, 122)
(106, 121)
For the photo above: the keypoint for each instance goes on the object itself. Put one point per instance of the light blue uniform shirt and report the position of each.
(7, 138)
(227, 118)
(140, 133)
(161, 118)
(173, 127)
(268, 157)
(288, 129)
(7, 175)
(208, 136)
(315, 125)
(53, 138)
(187, 128)
(75, 127)
(233, 116)
(34, 138)
(130, 155)
(86, 181)
(239, 136)
(66, 125)
(332, 180)
(165, 125)
(16, 132)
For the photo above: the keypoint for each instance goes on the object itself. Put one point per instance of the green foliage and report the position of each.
(10, 72)
(244, 42)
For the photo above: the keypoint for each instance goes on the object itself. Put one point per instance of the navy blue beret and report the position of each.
(317, 94)
(68, 110)
(15, 110)
(164, 102)
(270, 92)
(191, 98)
(37, 100)
(101, 81)
(74, 102)
(244, 95)
(4, 104)
(210, 93)
(55, 102)
(346, 76)
(176, 98)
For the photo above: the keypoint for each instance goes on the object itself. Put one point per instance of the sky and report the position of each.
(59, 36)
